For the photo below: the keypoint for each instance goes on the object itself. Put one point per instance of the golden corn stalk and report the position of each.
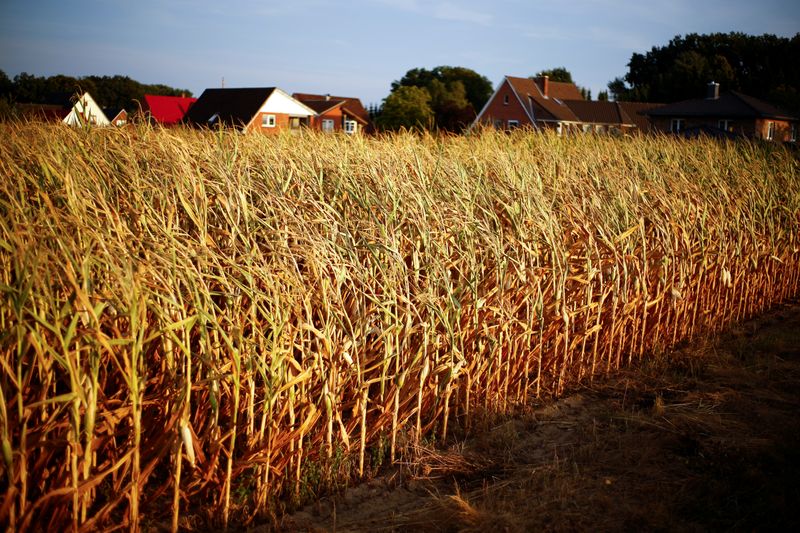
(198, 322)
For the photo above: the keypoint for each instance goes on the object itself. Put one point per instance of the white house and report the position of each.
(85, 111)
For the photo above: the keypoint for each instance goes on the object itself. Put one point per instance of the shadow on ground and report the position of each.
(703, 438)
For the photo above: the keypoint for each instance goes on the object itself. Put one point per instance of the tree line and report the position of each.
(448, 98)
(108, 91)
(763, 66)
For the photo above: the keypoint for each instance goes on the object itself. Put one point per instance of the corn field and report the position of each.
(199, 322)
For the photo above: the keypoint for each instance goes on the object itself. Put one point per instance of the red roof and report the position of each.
(168, 109)
(353, 105)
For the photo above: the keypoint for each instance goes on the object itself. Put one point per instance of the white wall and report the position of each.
(280, 102)
(86, 110)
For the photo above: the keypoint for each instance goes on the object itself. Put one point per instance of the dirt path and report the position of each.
(706, 438)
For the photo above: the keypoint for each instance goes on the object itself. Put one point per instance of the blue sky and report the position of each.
(356, 48)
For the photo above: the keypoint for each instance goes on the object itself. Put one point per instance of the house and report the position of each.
(541, 103)
(336, 113)
(611, 117)
(536, 103)
(726, 114)
(116, 116)
(260, 109)
(85, 111)
(43, 112)
(167, 110)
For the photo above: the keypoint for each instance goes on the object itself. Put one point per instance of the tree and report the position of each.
(557, 74)
(602, 96)
(455, 93)
(109, 91)
(763, 66)
(6, 86)
(406, 107)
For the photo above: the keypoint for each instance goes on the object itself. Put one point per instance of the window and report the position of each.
(267, 121)
(505, 100)
(350, 126)
(327, 124)
(770, 130)
(120, 122)
(725, 125)
(677, 125)
(513, 124)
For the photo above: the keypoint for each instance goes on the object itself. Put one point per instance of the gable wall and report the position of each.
(84, 108)
(281, 103)
(335, 114)
(498, 113)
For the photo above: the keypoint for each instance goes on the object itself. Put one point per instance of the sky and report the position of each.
(356, 48)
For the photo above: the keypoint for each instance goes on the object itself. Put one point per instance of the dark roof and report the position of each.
(233, 107)
(637, 112)
(353, 105)
(168, 109)
(599, 112)
(536, 103)
(729, 105)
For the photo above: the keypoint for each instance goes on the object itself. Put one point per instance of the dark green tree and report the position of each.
(406, 107)
(764, 66)
(455, 93)
(6, 85)
(108, 91)
(557, 74)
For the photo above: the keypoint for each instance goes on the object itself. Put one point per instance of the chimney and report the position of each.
(544, 84)
(327, 97)
(712, 91)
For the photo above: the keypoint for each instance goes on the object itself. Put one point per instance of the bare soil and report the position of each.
(706, 437)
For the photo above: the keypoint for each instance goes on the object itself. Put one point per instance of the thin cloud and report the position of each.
(441, 10)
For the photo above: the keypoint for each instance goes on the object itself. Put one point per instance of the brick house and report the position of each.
(336, 113)
(541, 103)
(116, 116)
(265, 110)
(729, 114)
(167, 110)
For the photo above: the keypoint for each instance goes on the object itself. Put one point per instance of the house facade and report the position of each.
(263, 110)
(166, 110)
(730, 114)
(336, 113)
(519, 102)
(116, 116)
(85, 112)
(544, 104)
